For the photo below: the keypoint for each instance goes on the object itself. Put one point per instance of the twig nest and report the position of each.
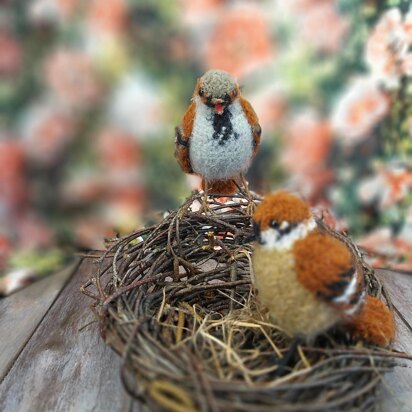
(176, 301)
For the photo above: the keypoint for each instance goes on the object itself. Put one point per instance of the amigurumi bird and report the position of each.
(310, 280)
(219, 135)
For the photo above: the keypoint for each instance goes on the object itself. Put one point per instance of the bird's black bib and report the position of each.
(222, 127)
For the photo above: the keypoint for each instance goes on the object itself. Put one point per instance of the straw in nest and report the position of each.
(175, 301)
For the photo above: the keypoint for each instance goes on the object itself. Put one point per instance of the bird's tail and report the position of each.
(374, 323)
(220, 187)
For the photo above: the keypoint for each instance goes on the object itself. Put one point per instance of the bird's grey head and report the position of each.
(217, 88)
(217, 84)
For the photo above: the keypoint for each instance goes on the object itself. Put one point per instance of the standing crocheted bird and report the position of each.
(309, 280)
(219, 134)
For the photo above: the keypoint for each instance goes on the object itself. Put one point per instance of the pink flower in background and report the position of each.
(199, 11)
(45, 12)
(120, 160)
(380, 243)
(120, 157)
(307, 144)
(386, 51)
(68, 7)
(129, 199)
(5, 251)
(137, 106)
(358, 111)
(398, 185)
(52, 11)
(303, 6)
(240, 42)
(125, 195)
(389, 186)
(387, 250)
(71, 76)
(405, 241)
(323, 27)
(13, 185)
(406, 65)
(180, 49)
(107, 15)
(370, 189)
(32, 232)
(23, 228)
(10, 55)
(118, 151)
(47, 132)
(322, 210)
(120, 211)
(91, 231)
(313, 184)
(271, 105)
(83, 190)
(116, 188)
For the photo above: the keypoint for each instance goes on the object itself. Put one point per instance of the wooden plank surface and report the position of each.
(397, 385)
(62, 368)
(21, 313)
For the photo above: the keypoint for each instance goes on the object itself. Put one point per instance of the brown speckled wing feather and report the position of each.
(182, 139)
(253, 121)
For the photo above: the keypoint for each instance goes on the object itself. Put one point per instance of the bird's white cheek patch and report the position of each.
(269, 238)
(272, 239)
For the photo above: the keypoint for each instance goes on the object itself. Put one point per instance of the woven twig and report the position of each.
(175, 300)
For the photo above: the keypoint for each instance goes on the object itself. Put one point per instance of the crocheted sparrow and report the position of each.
(219, 135)
(309, 280)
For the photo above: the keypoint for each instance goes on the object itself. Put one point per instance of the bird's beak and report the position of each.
(219, 106)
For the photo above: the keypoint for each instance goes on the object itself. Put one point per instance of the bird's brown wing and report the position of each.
(327, 268)
(182, 139)
(253, 121)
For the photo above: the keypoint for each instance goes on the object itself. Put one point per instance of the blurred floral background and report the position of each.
(90, 92)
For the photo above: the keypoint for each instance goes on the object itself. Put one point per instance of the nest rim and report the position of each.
(144, 290)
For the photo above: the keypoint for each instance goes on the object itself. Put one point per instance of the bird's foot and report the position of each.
(250, 209)
(244, 189)
(205, 206)
(284, 364)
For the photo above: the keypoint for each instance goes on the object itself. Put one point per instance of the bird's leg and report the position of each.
(251, 204)
(284, 362)
(205, 206)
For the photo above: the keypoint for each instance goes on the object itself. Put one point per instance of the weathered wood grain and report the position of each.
(397, 386)
(22, 312)
(62, 368)
(59, 368)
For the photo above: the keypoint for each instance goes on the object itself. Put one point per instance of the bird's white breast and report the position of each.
(215, 161)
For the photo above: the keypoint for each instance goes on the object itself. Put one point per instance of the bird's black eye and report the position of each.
(273, 224)
(201, 92)
(286, 230)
